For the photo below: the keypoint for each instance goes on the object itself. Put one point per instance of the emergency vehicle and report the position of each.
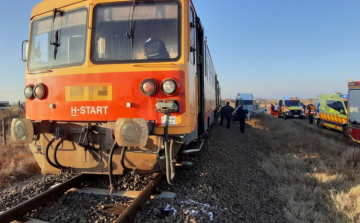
(4, 105)
(331, 112)
(247, 101)
(290, 107)
(354, 110)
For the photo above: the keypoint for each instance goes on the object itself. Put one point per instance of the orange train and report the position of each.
(114, 86)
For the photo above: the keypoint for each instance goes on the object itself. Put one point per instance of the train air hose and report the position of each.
(47, 154)
(122, 158)
(172, 167)
(55, 152)
(111, 167)
(170, 173)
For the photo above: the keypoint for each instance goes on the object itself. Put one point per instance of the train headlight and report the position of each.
(22, 130)
(39, 91)
(28, 92)
(169, 86)
(148, 87)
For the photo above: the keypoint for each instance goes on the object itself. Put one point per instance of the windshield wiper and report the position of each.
(131, 28)
(56, 43)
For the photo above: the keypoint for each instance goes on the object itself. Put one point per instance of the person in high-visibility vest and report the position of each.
(311, 113)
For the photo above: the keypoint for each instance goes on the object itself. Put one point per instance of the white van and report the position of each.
(248, 103)
(4, 105)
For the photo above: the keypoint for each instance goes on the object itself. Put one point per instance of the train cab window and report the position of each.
(58, 42)
(127, 32)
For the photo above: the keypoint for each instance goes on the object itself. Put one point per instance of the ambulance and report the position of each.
(331, 112)
(290, 107)
(354, 110)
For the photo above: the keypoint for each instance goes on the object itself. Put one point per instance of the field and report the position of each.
(317, 170)
(16, 160)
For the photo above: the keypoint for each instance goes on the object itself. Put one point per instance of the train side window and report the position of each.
(192, 37)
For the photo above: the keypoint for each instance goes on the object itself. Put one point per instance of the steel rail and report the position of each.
(129, 212)
(21, 209)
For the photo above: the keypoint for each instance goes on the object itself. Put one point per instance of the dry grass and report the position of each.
(16, 160)
(318, 177)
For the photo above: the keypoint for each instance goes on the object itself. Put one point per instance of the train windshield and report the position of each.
(354, 105)
(292, 103)
(58, 42)
(136, 31)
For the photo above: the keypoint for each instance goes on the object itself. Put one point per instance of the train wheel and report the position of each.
(346, 131)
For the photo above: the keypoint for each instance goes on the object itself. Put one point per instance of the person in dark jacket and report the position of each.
(311, 113)
(226, 112)
(241, 113)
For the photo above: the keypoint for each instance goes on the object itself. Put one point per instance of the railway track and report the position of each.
(71, 194)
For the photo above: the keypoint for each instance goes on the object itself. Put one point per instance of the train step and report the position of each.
(194, 147)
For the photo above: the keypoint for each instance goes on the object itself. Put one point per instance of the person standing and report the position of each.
(241, 114)
(226, 112)
(311, 113)
(276, 107)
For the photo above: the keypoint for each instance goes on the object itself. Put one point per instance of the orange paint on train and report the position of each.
(125, 88)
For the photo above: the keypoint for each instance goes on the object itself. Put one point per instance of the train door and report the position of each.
(200, 73)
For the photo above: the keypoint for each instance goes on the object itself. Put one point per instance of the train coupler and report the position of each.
(86, 139)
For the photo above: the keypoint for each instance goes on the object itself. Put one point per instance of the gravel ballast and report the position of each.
(225, 184)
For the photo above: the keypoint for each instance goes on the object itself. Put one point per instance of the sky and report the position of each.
(270, 48)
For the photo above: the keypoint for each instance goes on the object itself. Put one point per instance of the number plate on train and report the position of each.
(172, 120)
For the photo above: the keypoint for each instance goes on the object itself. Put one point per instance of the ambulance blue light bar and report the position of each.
(344, 96)
(288, 98)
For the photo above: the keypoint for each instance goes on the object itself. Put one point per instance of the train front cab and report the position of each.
(354, 110)
(95, 93)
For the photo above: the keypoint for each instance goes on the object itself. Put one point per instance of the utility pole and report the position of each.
(3, 130)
